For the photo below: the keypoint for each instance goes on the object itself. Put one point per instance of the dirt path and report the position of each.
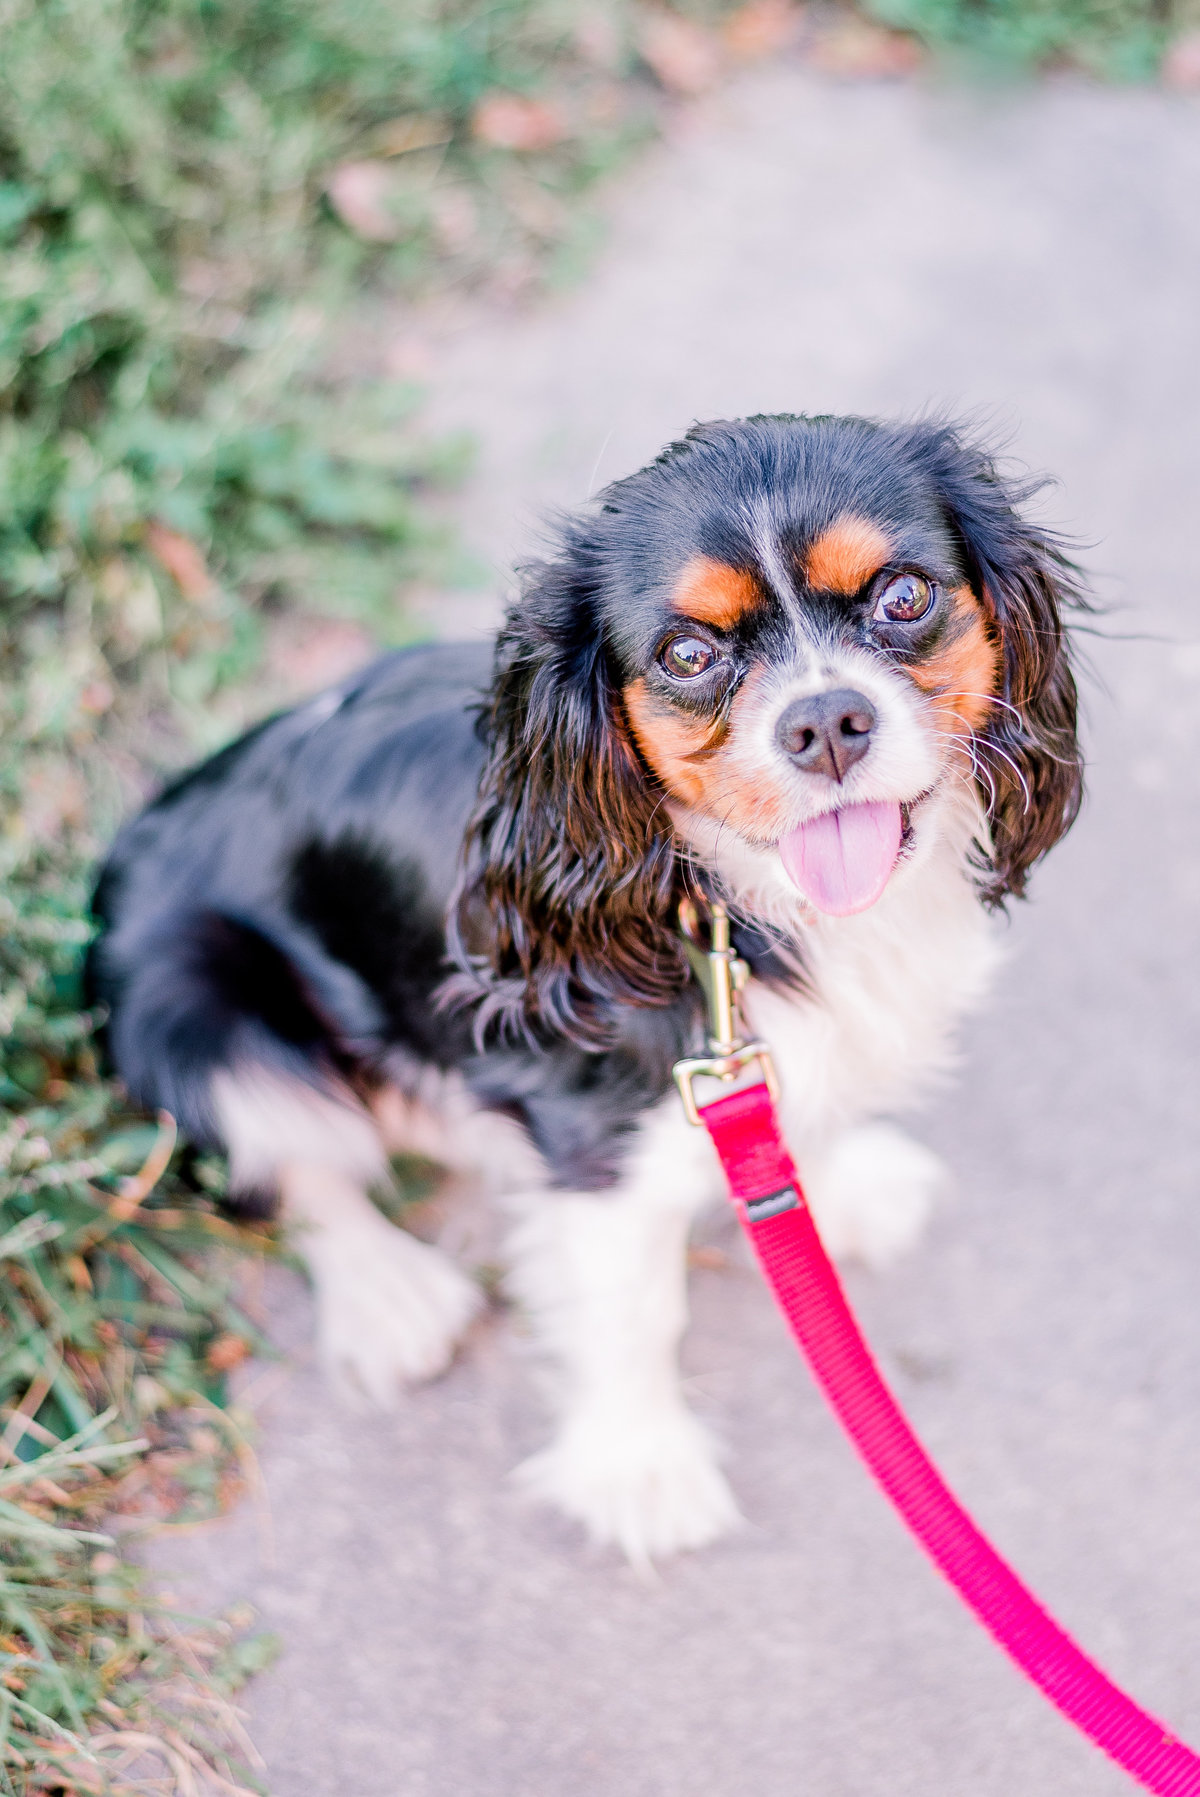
(809, 246)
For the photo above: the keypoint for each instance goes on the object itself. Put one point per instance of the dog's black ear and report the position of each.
(569, 890)
(1031, 769)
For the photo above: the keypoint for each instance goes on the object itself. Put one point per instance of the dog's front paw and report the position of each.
(873, 1192)
(390, 1310)
(650, 1486)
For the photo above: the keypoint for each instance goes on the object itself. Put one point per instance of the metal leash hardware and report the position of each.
(721, 974)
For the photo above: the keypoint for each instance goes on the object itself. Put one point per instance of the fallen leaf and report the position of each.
(53, 799)
(77, 1271)
(1181, 64)
(179, 557)
(359, 193)
(761, 28)
(708, 1259)
(511, 122)
(859, 51)
(96, 698)
(411, 131)
(683, 56)
(226, 1352)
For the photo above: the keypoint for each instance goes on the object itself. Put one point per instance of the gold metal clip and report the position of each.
(721, 974)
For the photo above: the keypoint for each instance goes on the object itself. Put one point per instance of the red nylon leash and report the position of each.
(770, 1203)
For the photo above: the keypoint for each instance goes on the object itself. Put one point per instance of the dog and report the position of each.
(815, 667)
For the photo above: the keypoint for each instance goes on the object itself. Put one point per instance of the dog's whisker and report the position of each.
(990, 747)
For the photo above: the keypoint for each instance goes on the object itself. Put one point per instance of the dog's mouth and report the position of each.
(842, 861)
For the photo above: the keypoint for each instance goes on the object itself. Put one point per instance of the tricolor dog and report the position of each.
(815, 667)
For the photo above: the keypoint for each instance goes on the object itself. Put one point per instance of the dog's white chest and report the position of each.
(887, 989)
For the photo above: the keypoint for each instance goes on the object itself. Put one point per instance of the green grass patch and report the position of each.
(1119, 39)
(194, 194)
(121, 1316)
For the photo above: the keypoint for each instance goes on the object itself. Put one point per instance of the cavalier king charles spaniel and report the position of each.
(815, 667)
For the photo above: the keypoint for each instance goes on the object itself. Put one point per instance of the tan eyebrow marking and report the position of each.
(844, 557)
(714, 593)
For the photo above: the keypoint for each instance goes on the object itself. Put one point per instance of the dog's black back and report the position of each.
(459, 863)
(283, 906)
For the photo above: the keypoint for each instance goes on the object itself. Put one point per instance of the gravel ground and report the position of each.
(801, 245)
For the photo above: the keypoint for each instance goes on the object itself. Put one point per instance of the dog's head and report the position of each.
(791, 633)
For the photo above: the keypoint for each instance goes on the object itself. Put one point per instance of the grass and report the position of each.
(1118, 39)
(98, 1692)
(193, 193)
(119, 1323)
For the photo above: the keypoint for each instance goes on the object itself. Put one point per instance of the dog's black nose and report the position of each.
(826, 733)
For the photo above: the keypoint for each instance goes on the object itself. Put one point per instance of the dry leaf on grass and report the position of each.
(1181, 64)
(179, 557)
(683, 57)
(762, 28)
(411, 131)
(359, 193)
(227, 1351)
(511, 122)
(859, 51)
(55, 799)
(96, 698)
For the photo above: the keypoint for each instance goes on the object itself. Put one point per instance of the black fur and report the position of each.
(574, 881)
(459, 863)
(285, 905)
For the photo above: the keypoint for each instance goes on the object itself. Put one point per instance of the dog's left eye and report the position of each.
(687, 656)
(904, 600)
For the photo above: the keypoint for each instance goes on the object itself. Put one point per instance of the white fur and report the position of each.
(390, 1309)
(601, 1276)
(265, 1117)
(872, 1193)
(602, 1279)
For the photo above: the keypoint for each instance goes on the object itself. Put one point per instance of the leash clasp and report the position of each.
(721, 975)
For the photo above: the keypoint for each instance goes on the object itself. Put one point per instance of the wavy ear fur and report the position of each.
(568, 897)
(1031, 769)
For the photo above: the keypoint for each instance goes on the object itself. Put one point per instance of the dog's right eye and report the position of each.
(687, 656)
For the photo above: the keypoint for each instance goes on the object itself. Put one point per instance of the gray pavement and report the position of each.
(808, 246)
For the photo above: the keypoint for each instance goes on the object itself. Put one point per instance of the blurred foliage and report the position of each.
(1120, 39)
(119, 1325)
(173, 453)
(193, 196)
(99, 1691)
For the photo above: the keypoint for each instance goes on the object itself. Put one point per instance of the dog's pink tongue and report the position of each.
(842, 861)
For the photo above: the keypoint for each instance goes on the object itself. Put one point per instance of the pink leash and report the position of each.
(767, 1195)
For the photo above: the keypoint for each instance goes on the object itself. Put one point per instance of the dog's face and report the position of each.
(816, 651)
(793, 632)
